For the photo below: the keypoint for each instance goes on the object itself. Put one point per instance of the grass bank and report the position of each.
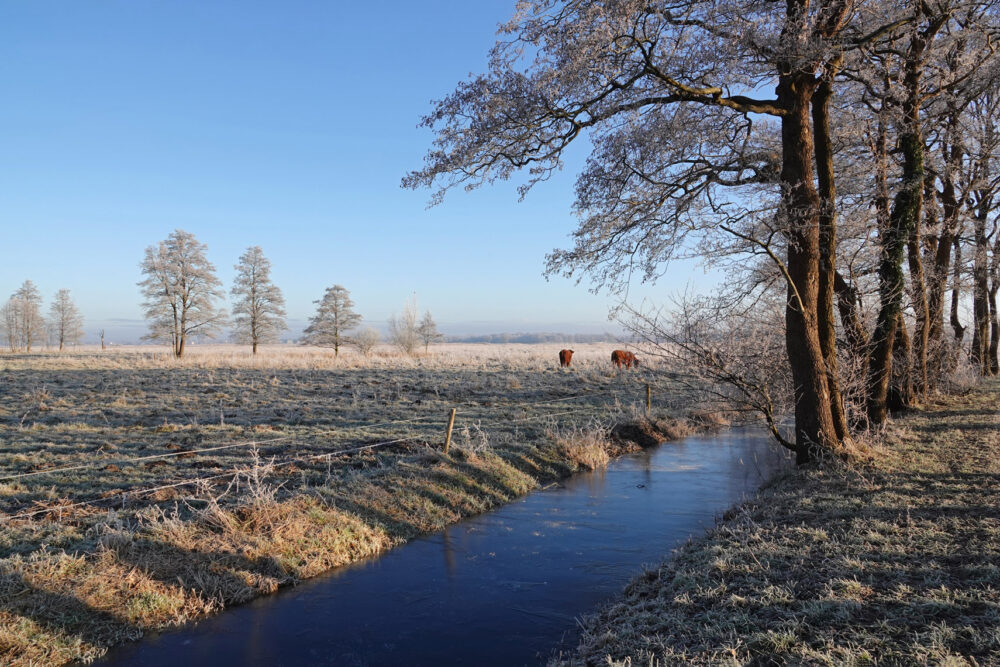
(893, 563)
(78, 578)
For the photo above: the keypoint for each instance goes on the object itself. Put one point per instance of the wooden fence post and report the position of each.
(649, 397)
(451, 423)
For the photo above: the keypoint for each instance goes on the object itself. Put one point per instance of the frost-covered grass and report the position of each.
(304, 357)
(895, 563)
(79, 578)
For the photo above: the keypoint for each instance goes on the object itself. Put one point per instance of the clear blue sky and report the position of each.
(281, 124)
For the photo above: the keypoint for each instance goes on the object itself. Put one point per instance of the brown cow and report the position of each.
(565, 356)
(624, 357)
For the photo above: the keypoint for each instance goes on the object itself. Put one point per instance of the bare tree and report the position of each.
(427, 331)
(8, 320)
(403, 328)
(334, 318)
(732, 354)
(65, 321)
(365, 340)
(259, 308)
(181, 291)
(22, 319)
(102, 339)
(680, 161)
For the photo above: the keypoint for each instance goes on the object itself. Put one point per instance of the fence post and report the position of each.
(451, 423)
(649, 400)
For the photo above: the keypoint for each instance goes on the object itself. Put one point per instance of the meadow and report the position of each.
(139, 491)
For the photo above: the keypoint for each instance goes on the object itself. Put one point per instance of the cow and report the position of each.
(565, 356)
(624, 357)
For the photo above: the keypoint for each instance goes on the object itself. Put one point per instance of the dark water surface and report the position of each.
(504, 588)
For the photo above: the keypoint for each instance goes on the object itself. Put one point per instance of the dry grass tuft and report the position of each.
(588, 445)
(650, 431)
(710, 419)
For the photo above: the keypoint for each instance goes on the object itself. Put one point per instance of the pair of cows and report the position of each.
(619, 358)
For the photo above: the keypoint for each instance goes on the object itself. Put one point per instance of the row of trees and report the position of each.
(182, 295)
(23, 326)
(336, 324)
(859, 188)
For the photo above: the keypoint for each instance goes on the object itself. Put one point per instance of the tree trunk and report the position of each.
(938, 282)
(952, 153)
(827, 249)
(849, 307)
(956, 288)
(994, 278)
(901, 231)
(901, 386)
(814, 424)
(918, 289)
(993, 364)
(980, 299)
(255, 347)
(890, 282)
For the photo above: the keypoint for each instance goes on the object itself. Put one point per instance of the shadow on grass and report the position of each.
(223, 576)
(61, 614)
(378, 519)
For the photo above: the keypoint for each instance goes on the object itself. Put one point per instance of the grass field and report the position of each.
(138, 491)
(895, 563)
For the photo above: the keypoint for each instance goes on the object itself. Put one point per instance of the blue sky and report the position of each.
(285, 125)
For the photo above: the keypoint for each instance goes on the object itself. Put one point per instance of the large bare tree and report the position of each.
(334, 319)
(65, 320)
(259, 309)
(688, 146)
(181, 292)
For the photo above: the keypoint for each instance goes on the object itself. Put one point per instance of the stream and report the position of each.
(503, 588)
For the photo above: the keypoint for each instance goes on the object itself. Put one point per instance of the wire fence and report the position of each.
(435, 420)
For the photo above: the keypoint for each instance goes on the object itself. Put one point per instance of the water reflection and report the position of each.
(449, 553)
(503, 588)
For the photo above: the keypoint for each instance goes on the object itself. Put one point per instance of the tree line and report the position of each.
(23, 326)
(839, 159)
(183, 294)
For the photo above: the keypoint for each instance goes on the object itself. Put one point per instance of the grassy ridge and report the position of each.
(897, 562)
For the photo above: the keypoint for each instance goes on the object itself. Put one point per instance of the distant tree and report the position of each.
(334, 318)
(181, 291)
(65, 321)
(8, 320)
(403, 329)
(22, 319)
(260, 307)
(32, 323)
(366, 340)
(427, 331)
(102, 339)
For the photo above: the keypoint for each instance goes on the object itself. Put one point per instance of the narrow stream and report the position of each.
(504, 588)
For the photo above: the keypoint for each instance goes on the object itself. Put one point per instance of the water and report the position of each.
(504, 588)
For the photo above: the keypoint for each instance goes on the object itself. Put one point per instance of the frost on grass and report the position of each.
(277, 508)
(895, 563)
